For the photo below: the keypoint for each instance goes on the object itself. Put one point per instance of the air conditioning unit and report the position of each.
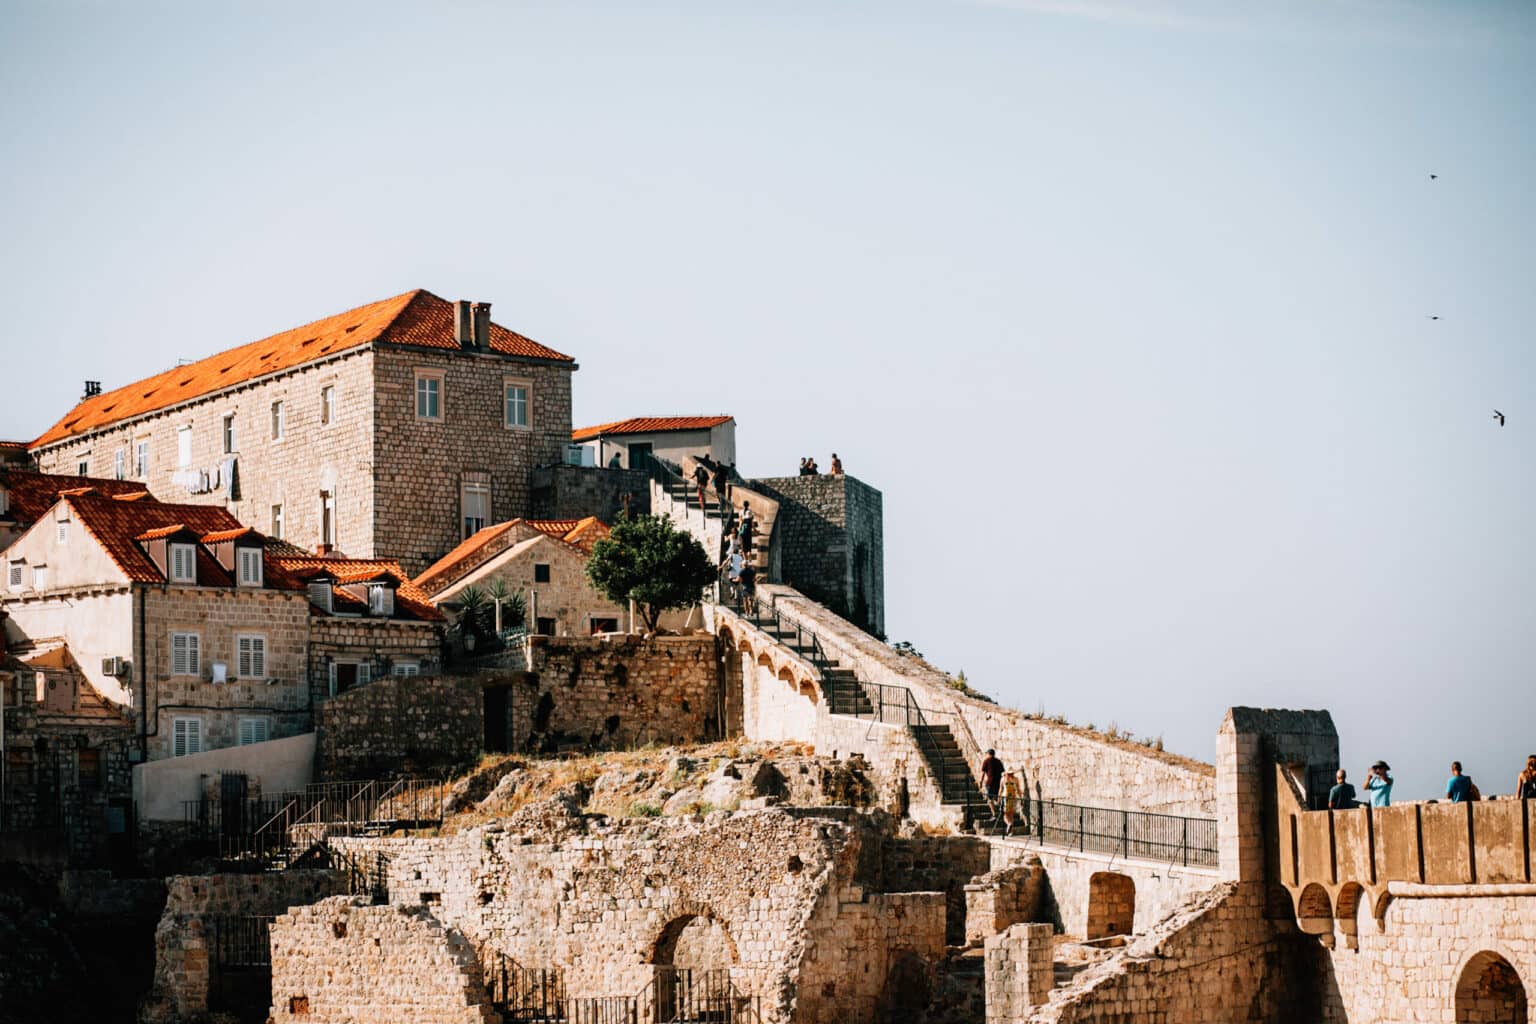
(573, 454)
(116, 667)
(220, 672)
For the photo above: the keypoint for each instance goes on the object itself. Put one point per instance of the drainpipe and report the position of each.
(143, 682)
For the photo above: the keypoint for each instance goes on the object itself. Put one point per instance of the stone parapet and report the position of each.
(1020, 972)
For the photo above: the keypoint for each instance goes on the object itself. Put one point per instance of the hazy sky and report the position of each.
(1124, 306)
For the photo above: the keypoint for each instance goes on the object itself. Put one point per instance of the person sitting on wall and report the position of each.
(804, 468)
(1459, 788)
(1525, 784)
(1379, 784)
(1342, 796)
(837, 465)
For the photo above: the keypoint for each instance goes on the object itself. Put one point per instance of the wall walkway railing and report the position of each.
(1141, 835)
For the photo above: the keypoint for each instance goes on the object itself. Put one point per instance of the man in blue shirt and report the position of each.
(1458, 788)
(1379, 784)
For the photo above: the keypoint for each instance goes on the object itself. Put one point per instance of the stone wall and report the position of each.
(619, 691)
(785, 896)
(998, 900)
(1425, 959)
(343, 962)
(1058, 762)
(185, 935)
(831, 543)
(394, 641)
(290, 472)
(218, 616)
(944, 864)
(1020, 972)
(572, 492)
(420, 466)
(402, 726)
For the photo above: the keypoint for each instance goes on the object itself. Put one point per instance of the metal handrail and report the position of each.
(1146, 835)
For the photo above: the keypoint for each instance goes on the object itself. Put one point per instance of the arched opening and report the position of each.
(1347, 913)
(1111, 905)
(1490, 992)
(907, 991)
(1314, 911)
(693, 957)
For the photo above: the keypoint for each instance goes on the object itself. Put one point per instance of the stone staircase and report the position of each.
(957, 786)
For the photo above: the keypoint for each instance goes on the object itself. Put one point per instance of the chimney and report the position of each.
(463, 324)
(92, 389)
(482, 311)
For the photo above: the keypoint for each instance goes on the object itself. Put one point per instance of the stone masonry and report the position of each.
(574, 492)
(831, 538)
(343, 962)
(1020, 972)
(401, 726)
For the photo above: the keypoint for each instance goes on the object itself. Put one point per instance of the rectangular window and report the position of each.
(88, 769)
(476, 504)
(250, 656)
(62, 528)
(381, 600)
(186, 656)
(229, 435)
(183, 447)
(83, 468)
(320, 596)
(545, 626)
(277, 421)
(541, 572)
(517, 392)
(347, 674)
(250, 566)
(429, 395)
(186, 736)
(327, 405)
(39, 577)
(120, 464)
(141, 460)
(183, 563)
(405, 668)
(17, 574)
(605, 626)
(277, 522)
(253, 730)
(327, 518)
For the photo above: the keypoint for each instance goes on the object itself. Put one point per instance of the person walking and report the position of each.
(1379, 784)
(1342, 796)
(1010, 801)
(991, 779)
(748, 588)
(837, 465)
(723, 486)
(745, 530)
(1525, 783)
(1459, 788)
(701, 479)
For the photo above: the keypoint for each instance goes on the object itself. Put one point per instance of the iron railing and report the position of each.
(680, 995)
(538, 995)
(1140, 834)
(241, 941)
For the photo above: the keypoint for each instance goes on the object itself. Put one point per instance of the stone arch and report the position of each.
(1489, 991)
(1314, 910)
(1111, 905)
(1347, 912)
(694, 940)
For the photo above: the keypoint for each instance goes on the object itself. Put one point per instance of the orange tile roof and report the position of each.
(408, 596)
(32, 494)
(13, 445)
(163, 531)
(649, 425)
(417, 318)
(483, 545)
(116, 525)
(223, 535)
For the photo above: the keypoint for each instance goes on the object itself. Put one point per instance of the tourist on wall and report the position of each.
(1379, 784)
(1459, 788)
(810, 468)
(991, 778)
(701, 478)
(1525, 784)
(745, 530)
(1010, 801)
(837, 465)
(1342, 796)
(723, 485)
(805, 467)
(617, 462)
(748, 588)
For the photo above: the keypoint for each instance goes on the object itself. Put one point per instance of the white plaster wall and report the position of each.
(773, 708)
(77, 562)
(277, 766)
(95, 627)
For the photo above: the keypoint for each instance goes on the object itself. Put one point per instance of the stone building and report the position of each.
(543, 560)
(666, 437)
(393, 430)
(182, 615)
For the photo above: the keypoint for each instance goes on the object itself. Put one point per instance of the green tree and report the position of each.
(649, 561)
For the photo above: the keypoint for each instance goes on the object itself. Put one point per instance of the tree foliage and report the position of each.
(647, 560)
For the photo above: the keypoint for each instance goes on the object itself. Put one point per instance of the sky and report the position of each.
(1125, 307)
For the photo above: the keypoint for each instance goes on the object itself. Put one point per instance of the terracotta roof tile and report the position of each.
(32, 494)
(116, 525)
(162, 531)
(648, 425)
(587, 533)
(483, 545)
(416, 318)
(408, 597)
(220, 536)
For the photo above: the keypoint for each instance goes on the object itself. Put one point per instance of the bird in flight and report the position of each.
(1432, 177)
(1434, 318)
(1498, 416)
